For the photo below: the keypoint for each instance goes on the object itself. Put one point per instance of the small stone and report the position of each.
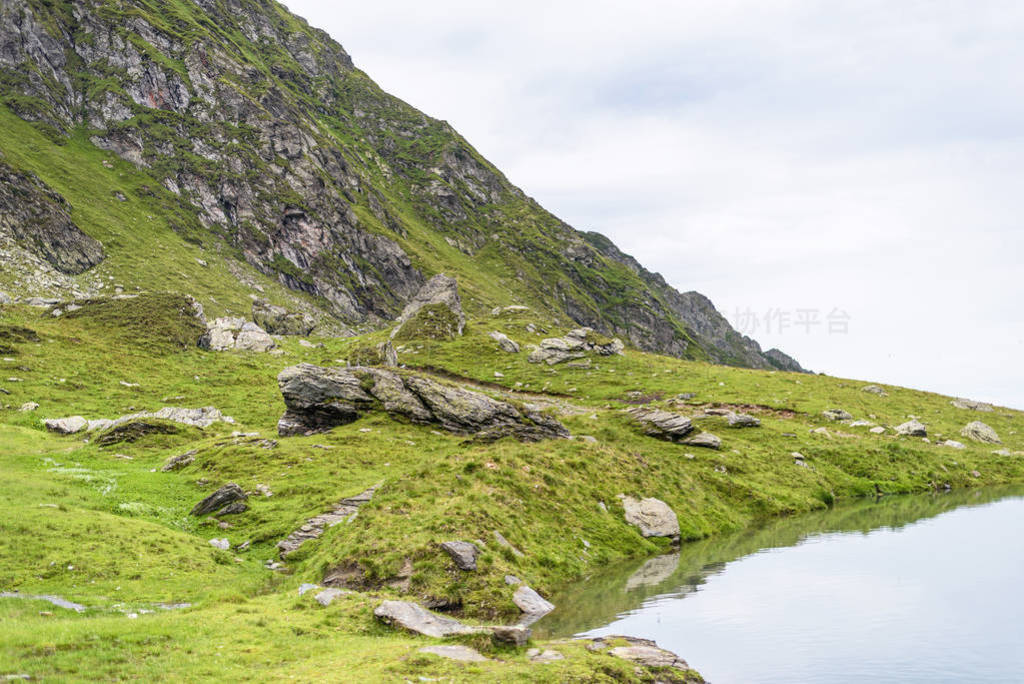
(743, 420)
(327, 596)
(222, 544)
(456, 652)
(505, 342)
(303, 588)
(837, 414)
(28, 406)
(463, 553)
(543, 657)
(512, 580)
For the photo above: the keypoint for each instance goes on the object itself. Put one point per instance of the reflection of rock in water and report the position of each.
(653, 572)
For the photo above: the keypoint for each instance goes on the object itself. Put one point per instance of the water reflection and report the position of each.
(620, 589)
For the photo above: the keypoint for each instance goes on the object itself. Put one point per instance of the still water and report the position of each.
(907, 589)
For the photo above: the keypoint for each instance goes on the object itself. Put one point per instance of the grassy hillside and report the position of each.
(102, 525)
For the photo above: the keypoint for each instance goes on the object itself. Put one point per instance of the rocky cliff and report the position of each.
(260, 140)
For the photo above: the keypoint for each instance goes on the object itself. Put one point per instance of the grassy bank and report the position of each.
(104, 527)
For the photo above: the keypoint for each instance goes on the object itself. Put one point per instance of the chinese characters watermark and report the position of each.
(778, 321)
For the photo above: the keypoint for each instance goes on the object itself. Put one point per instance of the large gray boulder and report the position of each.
(66, 426)
(319, 399)
(704, 440)
(662, 424)
(416, 618)
(533, 605)
(278, 320)
(435, 311)
(506, 343)
(652, 517)
(912, 428)
(971, 405)
(980, 432)
(227, 333)
(575, 345)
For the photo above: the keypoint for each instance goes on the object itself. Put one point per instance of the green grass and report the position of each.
(123, 525)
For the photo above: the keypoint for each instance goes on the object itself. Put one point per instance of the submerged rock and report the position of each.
(319, 399)
(652, 517)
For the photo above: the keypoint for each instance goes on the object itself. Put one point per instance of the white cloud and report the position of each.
(860, 155)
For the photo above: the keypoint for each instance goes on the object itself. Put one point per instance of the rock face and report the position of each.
(783, 361)
(980, 432)
(652, 517)
(223, 334)
(321, 398)
(435, 312)
(912, 428)
(415, 618)
(221, 498)
(277, 320)
(39, 220)
(463, 553)
(505, 343)
(662, 424)
(575, 345)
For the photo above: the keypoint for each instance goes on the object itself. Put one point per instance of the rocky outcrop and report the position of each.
(743, 420)
(39, 219)
(277, 320)
(434, 313)
(342, 511)
(646, 653)
(319, 399)
(783, 361)
(223, 334)
(198, 417)
(220, 499)
(652, 517)
(575, 345)
(980, 432)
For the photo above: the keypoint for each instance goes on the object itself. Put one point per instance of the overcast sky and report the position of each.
(849, 159)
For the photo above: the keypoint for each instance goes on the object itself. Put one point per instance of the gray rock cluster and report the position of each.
(277, 320)
(505, 343)
(198, 417)
(223, 334)
(321, 398)
(575, 345)
(672, 427)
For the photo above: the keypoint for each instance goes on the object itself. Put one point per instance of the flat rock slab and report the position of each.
(704, 440)
(197, 417)
(416, 618)
(543, 657)
(649, 656)
(463, 654)
(652, 517)
(319, 399)
(662, 424)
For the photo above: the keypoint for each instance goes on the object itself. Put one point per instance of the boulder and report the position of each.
(506, 343)
(704, 440)
(277, 320)
(953, 443)
(463, 553)
(646, 653)
(517, 635)
(912, 428)
(980, 432)
(531, 603)
(662, 424)
(319, 399)
(222, 544)
(5, 299)
(435, 312)
(179, 461)
(874, 389)
(743, 420)
(837, 414)
(327, 596)
(456, 652)
(416, 618)
(652, 517)
(223, 334)
(546, 656)
(878, 430)
(219, 499)
(66, 426)
(575, 345)
(28, 407)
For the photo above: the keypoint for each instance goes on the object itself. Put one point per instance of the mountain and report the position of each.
(226, 148)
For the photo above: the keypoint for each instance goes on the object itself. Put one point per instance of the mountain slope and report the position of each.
(254, 145)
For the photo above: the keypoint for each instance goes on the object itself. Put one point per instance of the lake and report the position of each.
(923, 588)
